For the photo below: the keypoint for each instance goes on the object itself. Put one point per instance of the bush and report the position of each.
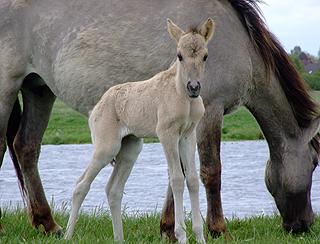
(313, 80)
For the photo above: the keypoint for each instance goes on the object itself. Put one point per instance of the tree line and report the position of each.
(308, 66)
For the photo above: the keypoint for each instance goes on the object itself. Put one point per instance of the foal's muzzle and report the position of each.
(193, 88)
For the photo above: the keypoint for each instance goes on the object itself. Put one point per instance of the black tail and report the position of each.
(13, 127)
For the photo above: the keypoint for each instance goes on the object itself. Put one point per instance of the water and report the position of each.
(243, 190)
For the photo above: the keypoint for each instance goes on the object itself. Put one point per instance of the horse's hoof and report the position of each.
(59, 234)
(167, 232)
(57, 231)
(219, 229)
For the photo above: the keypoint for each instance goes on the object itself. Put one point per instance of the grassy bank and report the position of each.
(67, 126)
(97, 228)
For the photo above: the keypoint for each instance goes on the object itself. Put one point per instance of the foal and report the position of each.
(168, 106)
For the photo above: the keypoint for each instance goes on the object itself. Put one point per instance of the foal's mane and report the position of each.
(277, 60)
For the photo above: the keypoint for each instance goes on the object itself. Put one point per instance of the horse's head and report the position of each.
(289, 178)
(192, 54)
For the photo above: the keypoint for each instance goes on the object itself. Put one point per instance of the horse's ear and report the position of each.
(174, 30)
(207, 29)
(311, 131)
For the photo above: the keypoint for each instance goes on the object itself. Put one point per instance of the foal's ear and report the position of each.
(174, 30)
(207, 29)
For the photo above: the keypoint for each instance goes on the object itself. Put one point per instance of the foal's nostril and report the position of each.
(194, 86)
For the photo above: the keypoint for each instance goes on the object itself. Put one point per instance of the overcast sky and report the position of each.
(294, 22)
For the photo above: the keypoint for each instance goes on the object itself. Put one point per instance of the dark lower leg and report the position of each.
(211, 178)
(167, 217)
(37, 105)
(209, 137)
(36, 200)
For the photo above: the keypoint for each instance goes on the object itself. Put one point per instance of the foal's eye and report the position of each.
(205, 57)
(179, 57)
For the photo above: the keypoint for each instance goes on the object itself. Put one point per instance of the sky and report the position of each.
(294, 22)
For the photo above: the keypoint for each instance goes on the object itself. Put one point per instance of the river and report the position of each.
(243, 189)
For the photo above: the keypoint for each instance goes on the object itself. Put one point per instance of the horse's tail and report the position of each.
(13, 127)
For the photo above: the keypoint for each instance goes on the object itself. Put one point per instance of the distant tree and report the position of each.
(313, 58)
(319, 55)
(297, 62)
(296, 51)
(313, 80)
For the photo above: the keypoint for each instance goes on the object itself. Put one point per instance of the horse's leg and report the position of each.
(176, 178)
(8, 97)
(37, 105)
(187, 149)
(130, 148)
(9, 88)
(167, 217)
(209, 138)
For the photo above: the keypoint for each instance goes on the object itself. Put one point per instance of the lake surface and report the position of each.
(243, 189)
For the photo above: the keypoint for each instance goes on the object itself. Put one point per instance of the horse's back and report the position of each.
(82, 48)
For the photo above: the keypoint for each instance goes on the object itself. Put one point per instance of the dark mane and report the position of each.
(277, 60)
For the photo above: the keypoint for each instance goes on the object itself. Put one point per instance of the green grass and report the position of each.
(97, 228)
(67, 126)
(240, 125)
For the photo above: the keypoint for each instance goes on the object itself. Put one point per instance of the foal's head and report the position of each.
(192, 54)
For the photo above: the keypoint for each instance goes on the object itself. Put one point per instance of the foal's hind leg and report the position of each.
(37, 105)
(130, 148)
(104, 153)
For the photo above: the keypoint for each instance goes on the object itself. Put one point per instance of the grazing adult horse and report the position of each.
(168, 106)
(75, 50)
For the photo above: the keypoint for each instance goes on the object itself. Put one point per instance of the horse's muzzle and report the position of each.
(193, 88)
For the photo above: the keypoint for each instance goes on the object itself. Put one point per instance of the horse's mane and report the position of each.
(277, 60)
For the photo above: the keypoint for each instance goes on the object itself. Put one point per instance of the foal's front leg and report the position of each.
(187, 148)
(176, 178)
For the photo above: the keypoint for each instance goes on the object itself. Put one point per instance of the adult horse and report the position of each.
(76, 50)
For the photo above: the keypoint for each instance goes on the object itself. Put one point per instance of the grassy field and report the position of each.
(97, 228)
(67, 126)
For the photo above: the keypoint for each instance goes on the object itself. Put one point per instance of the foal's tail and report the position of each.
(12, 129)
